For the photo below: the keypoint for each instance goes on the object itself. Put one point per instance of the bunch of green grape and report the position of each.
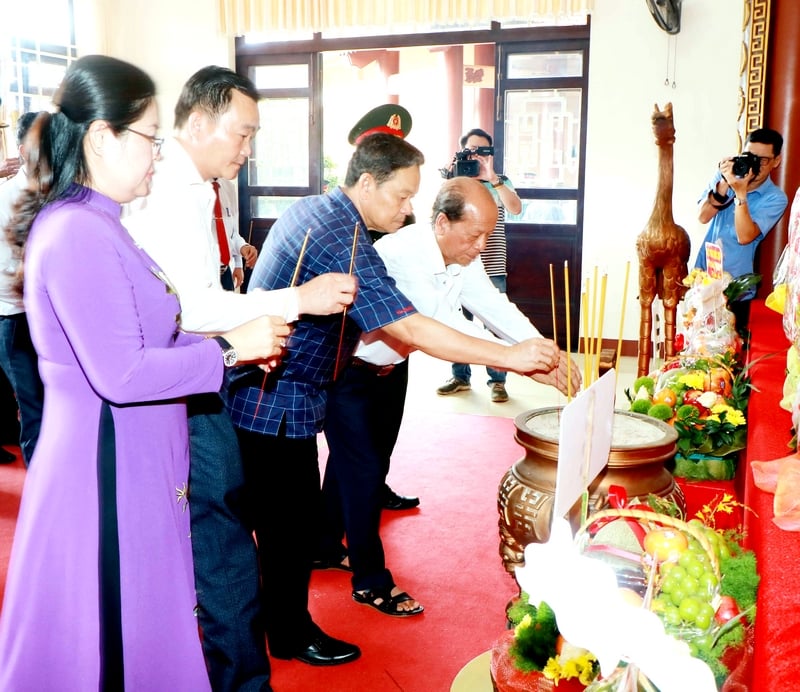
(689, 587)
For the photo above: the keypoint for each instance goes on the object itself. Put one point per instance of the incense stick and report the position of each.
(593, 324)
(344, 311)
(292, 284)
(599, 337)
(587, 380)
(553, 304)
(300, 260)
(566, 303)
(622, 318)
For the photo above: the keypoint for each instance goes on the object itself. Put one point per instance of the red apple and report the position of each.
(692, 397)
(727, 610)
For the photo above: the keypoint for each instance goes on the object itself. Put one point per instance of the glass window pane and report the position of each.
(281, 76)
(539, 65)
(280, 154)
(542, 138)
(45, 21)
(555, 211)
(270, 207)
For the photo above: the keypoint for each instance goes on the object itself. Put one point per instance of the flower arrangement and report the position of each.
(705, 400)
(538, 646)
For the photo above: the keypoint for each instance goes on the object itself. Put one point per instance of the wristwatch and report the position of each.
(739, 202)
(501, 180)
(229, 355)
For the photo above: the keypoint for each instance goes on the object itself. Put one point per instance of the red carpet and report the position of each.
(12, 477)
(777, 649)
(445, 553)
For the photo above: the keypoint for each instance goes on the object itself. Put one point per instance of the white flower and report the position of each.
(707, 399)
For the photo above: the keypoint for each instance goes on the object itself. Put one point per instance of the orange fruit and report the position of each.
(720, 381)
(665, 396)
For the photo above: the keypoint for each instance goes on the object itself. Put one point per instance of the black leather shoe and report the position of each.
(391, 500)
(326, 651)
(332, 563)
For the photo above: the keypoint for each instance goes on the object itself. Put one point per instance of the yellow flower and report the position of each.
(570, 668)
(693, 380)
(552, 670)
(565, 667)
(719, 408)
(735, 417)
(732, 415)
(588, 673)
(526, 622)
(696, 276)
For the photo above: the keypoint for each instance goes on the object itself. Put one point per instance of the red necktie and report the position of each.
(222, 236)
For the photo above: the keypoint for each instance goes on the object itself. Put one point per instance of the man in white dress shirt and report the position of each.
(216, 118)
(439, 269)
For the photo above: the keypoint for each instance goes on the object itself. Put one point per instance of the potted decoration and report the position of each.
(532, 655)
(705, 400)
(703, 392)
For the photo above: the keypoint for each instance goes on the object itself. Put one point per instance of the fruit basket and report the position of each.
(699, 581)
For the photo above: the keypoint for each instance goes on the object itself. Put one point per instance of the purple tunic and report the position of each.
(104, 326)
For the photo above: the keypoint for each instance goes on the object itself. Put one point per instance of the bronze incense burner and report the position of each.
(640, 447)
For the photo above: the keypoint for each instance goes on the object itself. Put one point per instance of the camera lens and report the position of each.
(743, 164)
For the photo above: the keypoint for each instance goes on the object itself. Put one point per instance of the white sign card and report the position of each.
(584, 441)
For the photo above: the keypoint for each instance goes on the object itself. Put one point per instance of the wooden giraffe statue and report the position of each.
(663, 248)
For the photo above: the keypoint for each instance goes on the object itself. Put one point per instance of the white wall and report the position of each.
(169, 39)
(628, 65)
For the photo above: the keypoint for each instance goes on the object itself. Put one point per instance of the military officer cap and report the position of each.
(389, 119)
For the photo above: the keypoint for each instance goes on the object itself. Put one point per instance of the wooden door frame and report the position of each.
(541, 39)
(251, 54)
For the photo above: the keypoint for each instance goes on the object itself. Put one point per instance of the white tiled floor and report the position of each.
(427, 373)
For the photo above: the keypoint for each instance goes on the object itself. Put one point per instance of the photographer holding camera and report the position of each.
(743, 205)
(476, 160)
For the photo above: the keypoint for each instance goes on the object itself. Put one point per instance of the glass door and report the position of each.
(282, 166)
(540, 100)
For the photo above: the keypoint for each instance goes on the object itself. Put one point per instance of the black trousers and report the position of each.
(283, 497)
(362, 422)
(225, 563)
(226, 279)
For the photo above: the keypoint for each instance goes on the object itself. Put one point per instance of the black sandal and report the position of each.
(388, 603)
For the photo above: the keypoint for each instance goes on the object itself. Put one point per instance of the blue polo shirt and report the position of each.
(766, 204)
(297, 390)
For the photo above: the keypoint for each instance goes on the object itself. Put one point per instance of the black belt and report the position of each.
(379, 370)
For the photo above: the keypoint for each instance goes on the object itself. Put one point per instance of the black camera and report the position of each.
(464, 163)
(743, 164)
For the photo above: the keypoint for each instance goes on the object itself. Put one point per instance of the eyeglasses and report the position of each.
(155, 141)
(763, 160)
